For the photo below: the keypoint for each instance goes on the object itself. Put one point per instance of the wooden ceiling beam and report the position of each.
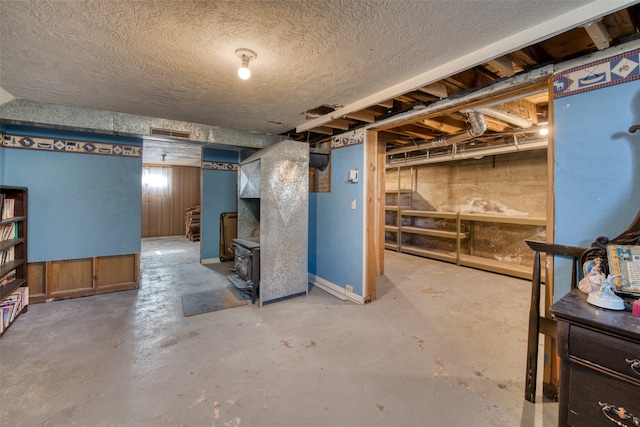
(436, 89)
(598, 34)
(322, 130)
(341, 124)
(362, 116)
(442, 126)
(619, 24)
(423, 96)
(414, 131)
(496, 125)
(503, 65)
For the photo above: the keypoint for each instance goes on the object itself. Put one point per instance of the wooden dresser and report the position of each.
(599, 353)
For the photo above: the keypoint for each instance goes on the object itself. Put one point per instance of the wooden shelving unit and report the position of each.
(457, 233)
(13, 254)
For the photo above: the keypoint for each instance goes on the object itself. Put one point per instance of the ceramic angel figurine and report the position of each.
(606, 298)
(593, 278)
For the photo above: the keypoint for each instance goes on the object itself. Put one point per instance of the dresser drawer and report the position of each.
(616, 354)
(589, 387)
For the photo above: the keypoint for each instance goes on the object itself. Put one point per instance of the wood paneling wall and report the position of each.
(82, 277)
(164, 216)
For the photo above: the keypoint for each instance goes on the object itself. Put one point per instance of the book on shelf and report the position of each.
(8, 232)
(8, 207)
(13, 305)
(9, 277)
(7, 255)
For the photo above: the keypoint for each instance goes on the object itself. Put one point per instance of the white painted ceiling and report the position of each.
(175, 59)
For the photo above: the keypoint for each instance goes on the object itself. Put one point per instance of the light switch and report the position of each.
(353, 204)
(353, 176)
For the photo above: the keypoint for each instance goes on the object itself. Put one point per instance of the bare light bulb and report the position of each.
(245, 56)
(244, 72)
(544, 131)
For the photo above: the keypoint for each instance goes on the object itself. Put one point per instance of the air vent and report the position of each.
(170, 133)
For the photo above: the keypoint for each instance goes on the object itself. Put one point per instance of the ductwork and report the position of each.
(318, 160)
(505, 116)
(478, 126)
(470, 154)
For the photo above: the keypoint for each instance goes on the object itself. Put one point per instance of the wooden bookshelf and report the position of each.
(14, 293)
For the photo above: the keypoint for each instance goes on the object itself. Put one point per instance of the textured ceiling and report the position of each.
(175, 59)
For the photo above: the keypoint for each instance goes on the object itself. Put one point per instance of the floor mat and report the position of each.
(206, 302)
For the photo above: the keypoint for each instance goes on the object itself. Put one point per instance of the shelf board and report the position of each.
(521, 220)
(521, 271)
(433, 233)
(8, 243)
(430, 253)
(396, 208)
(391, 246)
(402, 191)
(7, 289)
(391, 228)
(430, 214)
(495, 266)
(10, 265)
(12, 219)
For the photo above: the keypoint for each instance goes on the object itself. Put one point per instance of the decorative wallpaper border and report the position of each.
(70, 146)
(220, 166)
(611, 71)
(346, 139)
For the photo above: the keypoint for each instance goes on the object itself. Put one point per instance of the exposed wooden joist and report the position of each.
(523, 108)
(619, 24)
(340, 124)
(598, 34)
(362, 116)
(503, 65)
(322, 130)
(435, 89)
(496, 125)
(446, 126)
(422, 97)
(386, 104)
(414, 131)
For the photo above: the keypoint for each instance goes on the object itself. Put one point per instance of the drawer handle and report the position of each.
(635, 365)
(608, 410)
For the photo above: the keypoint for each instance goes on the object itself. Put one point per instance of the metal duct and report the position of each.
(318, 160)
(471, 154)
(478, 126)
(506, 116)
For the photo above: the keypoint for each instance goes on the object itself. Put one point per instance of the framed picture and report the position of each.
(625, 261)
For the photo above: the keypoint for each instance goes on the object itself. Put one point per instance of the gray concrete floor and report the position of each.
(442, 345)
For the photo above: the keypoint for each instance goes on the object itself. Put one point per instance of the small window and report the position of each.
(156, 181)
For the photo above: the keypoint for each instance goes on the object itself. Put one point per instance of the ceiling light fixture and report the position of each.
(245, 56)
(544, 130)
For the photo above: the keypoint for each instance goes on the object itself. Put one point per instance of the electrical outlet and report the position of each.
(349, 288)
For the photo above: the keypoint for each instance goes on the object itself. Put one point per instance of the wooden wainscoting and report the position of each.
(82, 277)
(164, 216)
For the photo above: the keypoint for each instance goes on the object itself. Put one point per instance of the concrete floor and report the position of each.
(442, 345)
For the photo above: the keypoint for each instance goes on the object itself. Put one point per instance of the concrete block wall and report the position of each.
(509, 184)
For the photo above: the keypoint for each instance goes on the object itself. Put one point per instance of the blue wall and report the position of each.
(336, 236)
(597, 168)
(219, 194)
(80, 205)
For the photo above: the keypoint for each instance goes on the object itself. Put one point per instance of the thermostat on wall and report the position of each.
(353, 176)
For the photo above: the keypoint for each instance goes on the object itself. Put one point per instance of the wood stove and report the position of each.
(247, 266)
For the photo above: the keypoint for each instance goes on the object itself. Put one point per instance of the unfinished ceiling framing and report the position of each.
(511, 118)
(322, 67)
